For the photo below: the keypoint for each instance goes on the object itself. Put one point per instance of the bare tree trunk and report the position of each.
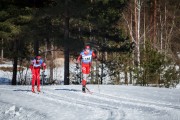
(151, 21)
(102, 67)
(132, 56)
(161, 33)
(97, 69)
(117, 78)
(144, 27)
(130, 77)
(2, 51)
(129, 27)
(49, 55)
(136, 26)
(165, 27)
(126, 75)
(144, 47)
(135, 20)
(154, 23)
(66, 49)
(133, 36)
(138, 32)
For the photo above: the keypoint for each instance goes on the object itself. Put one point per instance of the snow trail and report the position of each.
(68, 102)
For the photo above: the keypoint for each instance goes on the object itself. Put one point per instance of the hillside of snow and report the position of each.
(107, 102)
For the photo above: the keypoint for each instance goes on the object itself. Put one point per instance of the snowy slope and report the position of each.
(106, 103)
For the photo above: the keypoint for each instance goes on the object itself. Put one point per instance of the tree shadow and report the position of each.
(21, 90)
(73, 90)
(5, 81)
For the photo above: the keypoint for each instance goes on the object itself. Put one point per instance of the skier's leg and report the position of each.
(86, 75)
(84, 82)
(33, 80)
(84, 78)
(38, 80)
(85, 71)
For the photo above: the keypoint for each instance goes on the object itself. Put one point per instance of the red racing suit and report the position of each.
(86, 60)
(35, 69)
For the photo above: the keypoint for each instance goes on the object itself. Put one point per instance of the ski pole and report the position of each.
(28, 84)
(42, 78)
(88, 90)
(97, 77)
(98, 86)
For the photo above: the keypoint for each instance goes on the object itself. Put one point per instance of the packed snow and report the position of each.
(107, 102)
(67, 102)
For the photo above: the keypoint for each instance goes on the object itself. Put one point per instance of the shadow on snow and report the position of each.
(74, 90)
(21, 90)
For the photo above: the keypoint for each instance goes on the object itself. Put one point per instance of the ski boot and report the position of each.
(83, 89)
(38, 89)
(33, 90)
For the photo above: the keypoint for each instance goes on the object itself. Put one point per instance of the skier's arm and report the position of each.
(94, 55)
(32, 64)
(44, 66)
(79, 58)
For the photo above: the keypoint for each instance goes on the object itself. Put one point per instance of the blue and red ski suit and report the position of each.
(86, 60)
(35, 67)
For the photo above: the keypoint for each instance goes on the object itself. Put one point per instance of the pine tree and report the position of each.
(68, 10)
(13, 19)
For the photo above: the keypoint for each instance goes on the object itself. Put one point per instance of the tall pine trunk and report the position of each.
(66, 48)
(15, 62)
(51, 64)
(102, 68)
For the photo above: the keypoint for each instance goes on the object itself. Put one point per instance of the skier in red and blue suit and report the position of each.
(85, 58)
(36, 65)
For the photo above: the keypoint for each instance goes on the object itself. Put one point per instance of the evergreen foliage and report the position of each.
(28, 27)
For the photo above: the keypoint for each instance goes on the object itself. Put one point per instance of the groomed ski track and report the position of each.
(105, 103)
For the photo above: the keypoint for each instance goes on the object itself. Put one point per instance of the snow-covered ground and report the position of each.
(107, 102)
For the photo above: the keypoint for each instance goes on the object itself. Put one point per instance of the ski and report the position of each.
(89, 90)
(37, 92)
(40, 92)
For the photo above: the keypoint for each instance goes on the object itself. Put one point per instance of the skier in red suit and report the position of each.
(85, 58)
(35, 67)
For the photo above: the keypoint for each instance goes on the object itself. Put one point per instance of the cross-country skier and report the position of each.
(85, 58)
(36, 65)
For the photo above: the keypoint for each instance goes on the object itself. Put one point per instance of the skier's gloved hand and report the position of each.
(77, 65)
(77, 62)
(96, 59)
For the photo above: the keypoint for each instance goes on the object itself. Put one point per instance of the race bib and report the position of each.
(87, 58)
(37, 64)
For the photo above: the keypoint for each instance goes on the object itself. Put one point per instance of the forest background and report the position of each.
(136, 41)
